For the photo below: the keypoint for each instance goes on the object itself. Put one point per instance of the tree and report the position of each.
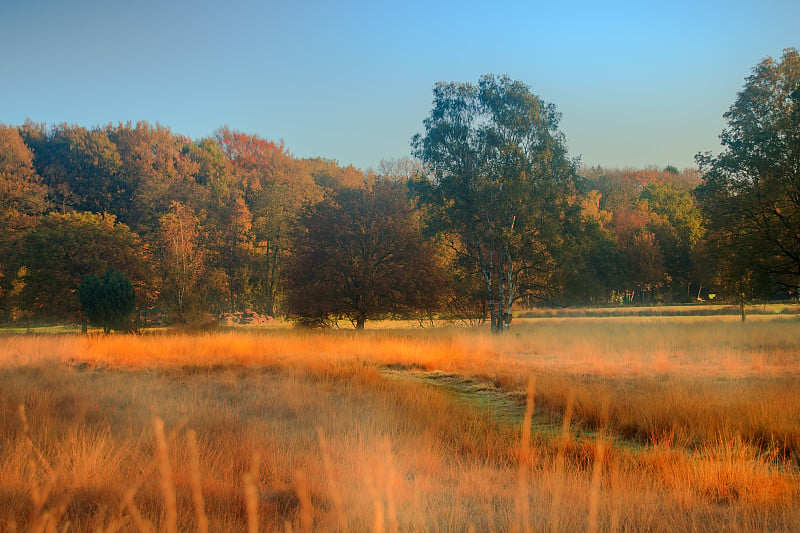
(80, 166)
(596, 268)
(750, 192)
(234, 242)
(62, 249)
(158, 169)
(677, 224)
(181, 259)
(327, 174)
(655, 225)
(496, 173)
(359, 254)
(274, 187)
(403, 168)
(23, 198)
(109, 301)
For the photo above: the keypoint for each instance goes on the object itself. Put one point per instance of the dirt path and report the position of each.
(504, 406)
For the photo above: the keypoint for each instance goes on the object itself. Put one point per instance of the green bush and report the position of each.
(108, 302)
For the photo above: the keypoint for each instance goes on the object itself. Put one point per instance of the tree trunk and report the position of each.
(496, 309)
(490, 299)
(361, 319)
(741, 307)
(271, 271)
(501, 295)
(180, 303)
(508, 304)
(742, 294)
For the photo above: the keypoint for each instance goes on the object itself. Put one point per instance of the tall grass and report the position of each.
(633, 424)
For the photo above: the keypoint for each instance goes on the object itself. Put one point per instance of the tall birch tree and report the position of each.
(496, 173)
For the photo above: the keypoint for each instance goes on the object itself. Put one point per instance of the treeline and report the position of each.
(199, 226)
(490, 213)
(208, 226)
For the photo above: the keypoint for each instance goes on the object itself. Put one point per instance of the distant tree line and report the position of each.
(489, 215)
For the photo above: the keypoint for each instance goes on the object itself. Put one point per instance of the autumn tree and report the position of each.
(677, 225)
(62, 249)
(750, 192)
(159, 169)
(235, 252)
(273, 186)
(329, 175)
(651, 230)
(496, 173)
(595, 270)
(460, 296)
(181, 260)
(23, 198)
(214, 172)
(359, 253)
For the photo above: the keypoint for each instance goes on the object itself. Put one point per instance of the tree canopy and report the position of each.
(750, 192)
(496, 173)
(63, 249)
(359, 254)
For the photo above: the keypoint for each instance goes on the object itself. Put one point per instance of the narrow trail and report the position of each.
(482, 394)
(503, 406)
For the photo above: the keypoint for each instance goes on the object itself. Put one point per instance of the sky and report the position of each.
(637, 83)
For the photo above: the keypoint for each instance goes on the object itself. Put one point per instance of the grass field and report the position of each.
(564, 424)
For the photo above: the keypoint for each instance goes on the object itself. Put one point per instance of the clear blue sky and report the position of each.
(637, 83)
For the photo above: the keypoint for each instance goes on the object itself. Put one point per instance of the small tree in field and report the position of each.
(108, 302)
(359, 253)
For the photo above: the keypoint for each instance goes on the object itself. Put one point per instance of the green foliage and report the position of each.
(751, 191)
(81, 167)
(108, 302)
(63, 249)
(496, 173)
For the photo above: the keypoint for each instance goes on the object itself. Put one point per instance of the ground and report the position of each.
(636, 423)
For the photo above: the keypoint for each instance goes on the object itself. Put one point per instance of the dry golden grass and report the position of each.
(637, 424)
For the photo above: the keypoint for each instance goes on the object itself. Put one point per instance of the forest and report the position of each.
(490, 214)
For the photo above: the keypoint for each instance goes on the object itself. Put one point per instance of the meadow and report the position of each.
(565, 424)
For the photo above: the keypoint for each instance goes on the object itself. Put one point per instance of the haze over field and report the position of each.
(681, 424)
(637, 85)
